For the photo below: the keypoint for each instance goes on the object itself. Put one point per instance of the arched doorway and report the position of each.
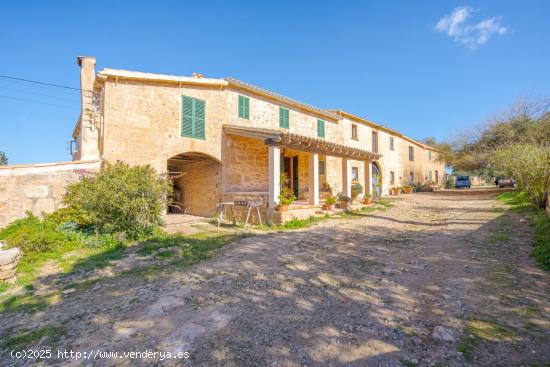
(196, 183)
(376, 181)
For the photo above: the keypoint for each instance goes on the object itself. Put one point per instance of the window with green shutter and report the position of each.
(244, 103)
(320, 128)
(192, 117)
(283, 118)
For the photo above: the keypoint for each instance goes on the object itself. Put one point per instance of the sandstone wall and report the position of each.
(245, 165)
(200, 187)
(38, 188)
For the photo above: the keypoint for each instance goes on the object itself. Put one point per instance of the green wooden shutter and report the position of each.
(186, 116)
(192, 117)
(283, 118)
(199, 119)
(244, 103)
(320, 128)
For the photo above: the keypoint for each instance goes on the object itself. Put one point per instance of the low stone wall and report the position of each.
(36, 187)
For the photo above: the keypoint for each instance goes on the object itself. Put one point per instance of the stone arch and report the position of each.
(196, 179)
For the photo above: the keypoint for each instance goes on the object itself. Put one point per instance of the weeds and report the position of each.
(539, 221)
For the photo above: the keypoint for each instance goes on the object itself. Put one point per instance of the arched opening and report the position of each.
(196, 184)
(376, 180)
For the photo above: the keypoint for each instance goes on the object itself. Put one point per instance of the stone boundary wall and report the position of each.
(38, 188)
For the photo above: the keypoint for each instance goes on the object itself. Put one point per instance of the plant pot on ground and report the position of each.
(408, 189)
(395, 191)
(329, 203)
(286, 196)
(343, 201)
(367, 199)
(356, 190)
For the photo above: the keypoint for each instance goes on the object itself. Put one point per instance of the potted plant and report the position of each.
(356, 190)
(367, 199)
(395, 191)
(408, 189)
(329, 203)
(343, 201)
(286, 196)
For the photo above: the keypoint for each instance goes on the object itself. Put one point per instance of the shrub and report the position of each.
(286, 196)
(34, 235)
(119, 198)
(529, 164)
(356, 190)
(330, 200)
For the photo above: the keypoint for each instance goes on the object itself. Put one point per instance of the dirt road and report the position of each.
(437, 280)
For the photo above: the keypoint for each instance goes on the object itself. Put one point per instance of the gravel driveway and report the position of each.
(440, 279)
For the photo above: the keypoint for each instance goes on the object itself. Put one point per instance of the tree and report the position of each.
(3, 159)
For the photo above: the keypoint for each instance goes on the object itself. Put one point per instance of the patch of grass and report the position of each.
(386, 203)
(539, 221)
(497, 237)
(27, 303)
(487, 329)
(190, 248)
(4, 287)
(25, 339)
(477, 330)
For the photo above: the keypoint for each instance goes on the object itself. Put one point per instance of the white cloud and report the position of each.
(456, 26)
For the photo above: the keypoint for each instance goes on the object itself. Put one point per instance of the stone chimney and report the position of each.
(88, 147)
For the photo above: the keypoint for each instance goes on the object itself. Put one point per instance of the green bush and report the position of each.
(33, 235)
(529, 164)
(119, 198)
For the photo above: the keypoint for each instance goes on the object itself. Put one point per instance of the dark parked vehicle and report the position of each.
(505, 182)
(463, 182)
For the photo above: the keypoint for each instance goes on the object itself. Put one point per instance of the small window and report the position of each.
(374, 142)
(354, 173)
(320, 128)
(354, 132)
(321, 167)
(436, 176)
(392, 178)
(411, 154)
(284, 118)
(430, 176)
(192, 117)
(392, 146)
(244, 109)
(411, 177)
(430, 155)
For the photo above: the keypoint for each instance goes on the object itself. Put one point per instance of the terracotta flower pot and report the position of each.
(408, 190)
(395, 192)
(328, 206)
(282, 208)
(367, 201)
(343, 204)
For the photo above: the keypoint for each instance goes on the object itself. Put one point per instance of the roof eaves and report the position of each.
(280, 97)
(152, 77)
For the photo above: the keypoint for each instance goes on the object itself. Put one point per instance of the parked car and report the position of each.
(505, 182)
(463, 182)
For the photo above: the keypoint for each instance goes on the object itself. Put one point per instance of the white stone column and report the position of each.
(346, 177)
(313, 174)
(274, 166)
(368, 178)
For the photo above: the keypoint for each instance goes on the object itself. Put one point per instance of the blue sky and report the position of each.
(425, 68)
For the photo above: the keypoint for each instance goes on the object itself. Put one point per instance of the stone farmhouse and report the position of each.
(223, 140)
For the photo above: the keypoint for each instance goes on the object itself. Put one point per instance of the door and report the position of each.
(295, 175)
(376, 183)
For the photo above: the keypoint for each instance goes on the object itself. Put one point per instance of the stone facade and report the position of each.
(137, 117)
(37, 188)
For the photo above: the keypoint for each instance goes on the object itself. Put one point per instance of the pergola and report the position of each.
(276, 139)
